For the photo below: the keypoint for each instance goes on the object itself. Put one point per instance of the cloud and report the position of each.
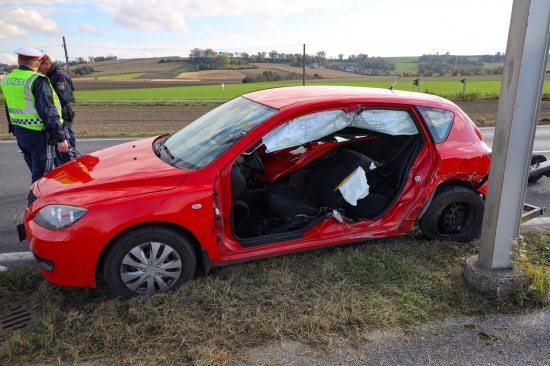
(208, 29)
(7, 58)
(9, 30)
(146, 16)
(170, 15)
(32, 21)
(88, 28)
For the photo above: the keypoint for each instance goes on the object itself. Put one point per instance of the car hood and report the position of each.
(124, 170)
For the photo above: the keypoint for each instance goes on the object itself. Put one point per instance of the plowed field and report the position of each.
(148, 121)
(116, 121)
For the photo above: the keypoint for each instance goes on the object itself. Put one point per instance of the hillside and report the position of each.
(136, 65)
(153, 69)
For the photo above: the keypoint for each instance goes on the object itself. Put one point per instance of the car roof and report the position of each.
(285, 96)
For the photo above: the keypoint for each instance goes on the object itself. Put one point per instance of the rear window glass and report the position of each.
(439, 122)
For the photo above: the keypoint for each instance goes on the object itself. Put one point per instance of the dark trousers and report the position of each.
(71, 140)
(39, 156)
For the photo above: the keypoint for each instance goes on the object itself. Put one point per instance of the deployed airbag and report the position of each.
(317, 125)
(355, 187)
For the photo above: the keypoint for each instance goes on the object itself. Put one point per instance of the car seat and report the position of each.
(320, 187)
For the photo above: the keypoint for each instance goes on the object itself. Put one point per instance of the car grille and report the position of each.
(30, 198)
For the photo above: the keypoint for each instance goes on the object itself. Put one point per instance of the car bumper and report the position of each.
(65, 258)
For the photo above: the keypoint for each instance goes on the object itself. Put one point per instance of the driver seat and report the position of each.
(320, 188)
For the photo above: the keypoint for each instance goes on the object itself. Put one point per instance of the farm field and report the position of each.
(211, 89)
(129, 120)
(144, 78)
(143, 121)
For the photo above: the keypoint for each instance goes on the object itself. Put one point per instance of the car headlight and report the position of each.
(57, 217)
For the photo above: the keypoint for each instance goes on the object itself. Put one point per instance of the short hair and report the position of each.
(29, 63)
(48, 59)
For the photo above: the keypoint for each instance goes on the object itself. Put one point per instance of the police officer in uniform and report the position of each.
(63, 86)
(34, 113)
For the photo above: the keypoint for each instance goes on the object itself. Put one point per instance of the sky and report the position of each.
(160, 28)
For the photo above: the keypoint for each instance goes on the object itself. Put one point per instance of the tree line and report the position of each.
(208, 59)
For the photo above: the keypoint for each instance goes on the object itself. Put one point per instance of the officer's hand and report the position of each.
(63, 146)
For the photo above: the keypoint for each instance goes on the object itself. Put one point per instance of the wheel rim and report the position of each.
(453, 218)
(151, 267)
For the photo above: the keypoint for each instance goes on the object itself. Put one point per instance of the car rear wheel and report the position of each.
(149, 260)
(455, 213)
(535, 162)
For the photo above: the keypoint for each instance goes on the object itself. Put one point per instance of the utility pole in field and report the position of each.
(66, 57)
(304, 66)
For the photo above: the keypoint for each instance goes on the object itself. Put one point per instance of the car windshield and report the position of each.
(199, 143)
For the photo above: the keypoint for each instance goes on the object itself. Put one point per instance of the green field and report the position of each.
(409, 63)
(484, 87)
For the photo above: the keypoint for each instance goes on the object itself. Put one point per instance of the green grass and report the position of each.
(484, 86)
(533, 257)
(405, 63)
(328, 298)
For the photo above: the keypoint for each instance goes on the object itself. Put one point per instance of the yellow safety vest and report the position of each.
(17, 89)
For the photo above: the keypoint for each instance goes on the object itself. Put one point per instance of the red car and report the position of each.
(270, 172)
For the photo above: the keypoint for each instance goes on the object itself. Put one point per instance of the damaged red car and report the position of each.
(269, 172)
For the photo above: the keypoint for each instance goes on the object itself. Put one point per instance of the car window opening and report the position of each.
(350, 166)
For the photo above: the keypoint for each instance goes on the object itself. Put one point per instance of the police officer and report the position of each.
(63, 86)
(34, 113)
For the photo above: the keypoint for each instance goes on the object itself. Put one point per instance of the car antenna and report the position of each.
(391, 87)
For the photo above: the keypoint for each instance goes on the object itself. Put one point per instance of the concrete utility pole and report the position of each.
(518, 108)
(304, 66)
(66, 57)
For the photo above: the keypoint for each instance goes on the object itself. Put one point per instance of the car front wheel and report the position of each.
(149, 260)
(455, 214)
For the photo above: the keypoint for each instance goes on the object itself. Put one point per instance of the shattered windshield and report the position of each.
(199, 143)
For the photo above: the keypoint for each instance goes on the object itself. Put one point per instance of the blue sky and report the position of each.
(156, 28)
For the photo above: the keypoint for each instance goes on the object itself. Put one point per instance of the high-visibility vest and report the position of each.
(17, 89)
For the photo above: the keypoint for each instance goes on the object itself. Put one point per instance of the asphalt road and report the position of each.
(16, 180)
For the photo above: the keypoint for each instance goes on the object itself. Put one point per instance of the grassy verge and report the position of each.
(326, 298)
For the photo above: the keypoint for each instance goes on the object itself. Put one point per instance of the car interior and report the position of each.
(353, 173)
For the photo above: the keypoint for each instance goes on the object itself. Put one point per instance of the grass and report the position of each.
(486, 87)
(449, 87)
(533, 257)
(328, 298)
(407, 63)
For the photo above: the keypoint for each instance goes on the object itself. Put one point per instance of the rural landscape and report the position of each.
(164, 90)
(342, 299)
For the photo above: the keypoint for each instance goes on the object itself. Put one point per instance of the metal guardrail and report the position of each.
(530, 212)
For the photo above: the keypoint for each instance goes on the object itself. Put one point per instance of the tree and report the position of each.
(340, 56)
(321, 56)
(195, 56)
(273, 55)
(221, 61)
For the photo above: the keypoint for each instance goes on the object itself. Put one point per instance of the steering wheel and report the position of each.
(256, 162)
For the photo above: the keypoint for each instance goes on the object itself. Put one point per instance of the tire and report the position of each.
(455, 214)
(148, 261)
(535, 161)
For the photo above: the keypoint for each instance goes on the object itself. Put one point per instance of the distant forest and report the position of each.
(446, 64)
